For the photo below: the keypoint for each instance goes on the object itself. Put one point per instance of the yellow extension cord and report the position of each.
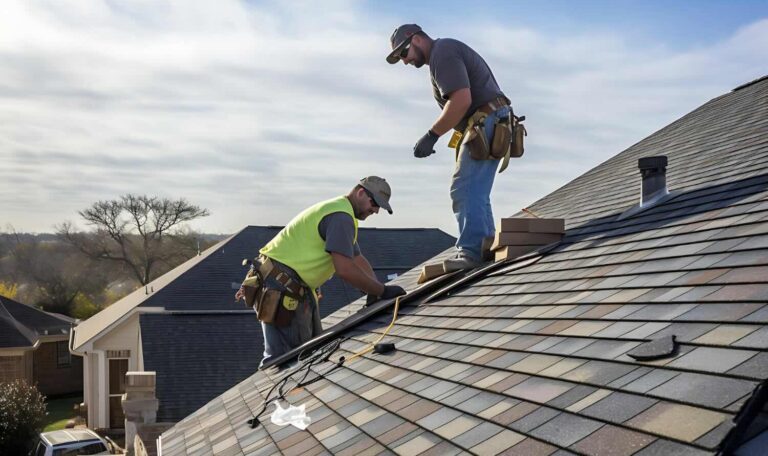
(370, 347)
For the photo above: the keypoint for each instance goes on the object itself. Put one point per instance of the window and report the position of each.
(63, 357)
(40, 451)
(79, 448)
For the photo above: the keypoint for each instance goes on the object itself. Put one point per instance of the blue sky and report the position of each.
(256, 110)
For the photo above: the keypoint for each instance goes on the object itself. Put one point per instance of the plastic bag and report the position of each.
(295, 416)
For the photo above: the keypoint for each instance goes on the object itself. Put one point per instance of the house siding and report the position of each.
(53, 380)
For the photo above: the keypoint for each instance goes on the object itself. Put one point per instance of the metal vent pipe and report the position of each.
(654, 174)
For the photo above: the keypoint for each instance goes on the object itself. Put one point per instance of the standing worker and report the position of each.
(473, 104)
(320, 241)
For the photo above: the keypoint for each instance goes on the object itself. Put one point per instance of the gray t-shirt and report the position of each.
(452, 66)
(338, 232)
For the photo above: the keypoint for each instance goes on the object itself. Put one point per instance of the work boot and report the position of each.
(460, 262)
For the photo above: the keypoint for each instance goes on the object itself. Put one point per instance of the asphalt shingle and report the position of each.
(530, 357)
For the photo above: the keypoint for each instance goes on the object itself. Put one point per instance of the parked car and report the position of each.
(70, 442)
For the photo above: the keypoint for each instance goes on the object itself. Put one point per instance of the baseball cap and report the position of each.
(397, 40)
(380, 190)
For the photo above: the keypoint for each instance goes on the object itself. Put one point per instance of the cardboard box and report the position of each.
(518, 239)
(430, 271)
(532, 225)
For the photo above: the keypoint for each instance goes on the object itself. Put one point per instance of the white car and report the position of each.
(70, 442)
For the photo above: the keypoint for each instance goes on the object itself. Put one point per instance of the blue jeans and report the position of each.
(304, 327)
(471, 194)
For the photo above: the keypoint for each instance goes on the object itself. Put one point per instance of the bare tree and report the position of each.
(137, 231)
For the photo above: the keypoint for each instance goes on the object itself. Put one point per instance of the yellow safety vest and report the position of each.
(300, 246)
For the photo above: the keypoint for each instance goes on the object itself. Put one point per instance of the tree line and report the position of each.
(131, 241)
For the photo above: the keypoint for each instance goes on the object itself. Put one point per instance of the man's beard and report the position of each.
(420, 59)
(358, 214)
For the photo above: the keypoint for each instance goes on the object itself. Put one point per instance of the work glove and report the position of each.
(425, 146)
(390, 291)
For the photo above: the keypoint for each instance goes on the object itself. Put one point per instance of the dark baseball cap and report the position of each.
(380, 190)
(398, 38)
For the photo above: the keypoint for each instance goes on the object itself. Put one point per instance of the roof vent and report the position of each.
(662, 347)
(654, 184)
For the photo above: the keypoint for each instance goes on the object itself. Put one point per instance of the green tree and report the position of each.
(55, 274)
(22, 414)
(142, 233)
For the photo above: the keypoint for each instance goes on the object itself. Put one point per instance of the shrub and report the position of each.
(9, 290)
(22, 414)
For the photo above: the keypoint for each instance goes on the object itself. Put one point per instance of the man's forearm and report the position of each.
(351, 273)
(454, 110)
(365, 266)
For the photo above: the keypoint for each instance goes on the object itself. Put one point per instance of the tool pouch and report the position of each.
(251, 286)
(502, 138)
(276, 307)
(267, 305)
(518, 134)
(286, 310)
(478, 143)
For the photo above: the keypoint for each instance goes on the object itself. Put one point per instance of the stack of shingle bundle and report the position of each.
(518, 236)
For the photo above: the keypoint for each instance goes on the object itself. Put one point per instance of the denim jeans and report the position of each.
(471, 194)
(304, 327)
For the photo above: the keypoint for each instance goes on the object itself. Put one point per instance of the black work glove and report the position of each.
(390, 291)
(424, 146)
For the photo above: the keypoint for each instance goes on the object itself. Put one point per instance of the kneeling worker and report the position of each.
(320, 241)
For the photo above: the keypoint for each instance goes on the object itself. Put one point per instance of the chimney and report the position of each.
(654, 184)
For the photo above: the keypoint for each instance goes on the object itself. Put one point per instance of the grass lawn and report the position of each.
(60, 411)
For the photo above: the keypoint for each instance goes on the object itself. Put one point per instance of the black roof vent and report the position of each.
(654, 183)
(662, 347)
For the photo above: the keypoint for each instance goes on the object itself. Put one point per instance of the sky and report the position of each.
(256, 110)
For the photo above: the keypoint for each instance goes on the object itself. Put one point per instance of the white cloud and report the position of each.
(258, 111)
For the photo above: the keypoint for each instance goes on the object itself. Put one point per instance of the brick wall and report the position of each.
(52, 379)
(11, 368)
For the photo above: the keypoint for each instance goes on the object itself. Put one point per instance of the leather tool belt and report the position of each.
(273, 306)
(507, 140)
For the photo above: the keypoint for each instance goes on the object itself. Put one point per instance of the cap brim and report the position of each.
(394, 56)
(382, 204)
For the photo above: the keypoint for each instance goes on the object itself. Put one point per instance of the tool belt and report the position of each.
(272, 292)
(507, 140)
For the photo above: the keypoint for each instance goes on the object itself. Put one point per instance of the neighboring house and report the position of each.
(186, 326)
(530, 356)
(33, 347)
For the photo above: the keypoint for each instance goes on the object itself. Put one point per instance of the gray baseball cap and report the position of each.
(380, 190)
(398, 39)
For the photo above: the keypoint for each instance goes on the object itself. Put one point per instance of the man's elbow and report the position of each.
(462, 99)
(343, 267)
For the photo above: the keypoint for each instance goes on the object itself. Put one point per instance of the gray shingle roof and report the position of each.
(532, 358)
(198, 355)
(20, 324)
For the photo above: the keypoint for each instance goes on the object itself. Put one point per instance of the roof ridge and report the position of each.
(753, 82)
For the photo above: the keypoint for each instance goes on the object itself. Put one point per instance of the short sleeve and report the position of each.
(338, 232)
(450, 74)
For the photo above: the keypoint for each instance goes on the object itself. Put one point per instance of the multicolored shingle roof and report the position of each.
(530, 356)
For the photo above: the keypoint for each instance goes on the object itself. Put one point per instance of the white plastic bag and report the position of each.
(291, 415)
